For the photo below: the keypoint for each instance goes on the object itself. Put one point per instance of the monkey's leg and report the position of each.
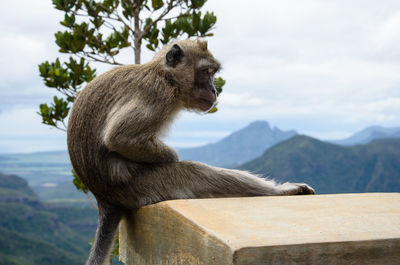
(186, 179)
(229, 182)
(108, 220)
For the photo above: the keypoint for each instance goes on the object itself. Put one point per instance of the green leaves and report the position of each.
(157, 4)
(81, 39)
(67, 76)
(196, 25)
(197, 4)
(78, 183)
(74, 41)
(190, 24)
(64, 5)
(54, 75)
(68, 21)
(68, 79)
(115, 41)
(152, 35)
(55, 113)
(86, 38)
(219, 83)
(207, 23)
(79, 73)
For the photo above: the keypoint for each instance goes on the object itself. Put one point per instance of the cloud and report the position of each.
(27, 40)
(325, 68)
(23, 132)
(387, 38)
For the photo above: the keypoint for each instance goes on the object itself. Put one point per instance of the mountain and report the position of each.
(369, 134)
(38, 168)
(48, 173)
(35, 233)
(329, 168)
(239, 147)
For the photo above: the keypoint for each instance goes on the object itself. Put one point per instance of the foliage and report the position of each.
(219, 83)
(31, 233)
(329, 168)
(97, 31)
(79, 184)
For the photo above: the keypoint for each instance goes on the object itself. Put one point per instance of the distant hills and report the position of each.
(35, 233)
(239, 147)
(369, 134)
(38, 168)
(329, 168)
(49, 173)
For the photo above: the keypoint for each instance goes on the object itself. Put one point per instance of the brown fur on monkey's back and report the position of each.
(89, 156)
(85, 124)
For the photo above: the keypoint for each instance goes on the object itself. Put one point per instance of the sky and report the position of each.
(324, 68)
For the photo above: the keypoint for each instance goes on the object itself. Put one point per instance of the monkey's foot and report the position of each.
(304, 189)
(297, 189)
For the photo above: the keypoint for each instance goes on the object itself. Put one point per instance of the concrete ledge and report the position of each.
(321, 229)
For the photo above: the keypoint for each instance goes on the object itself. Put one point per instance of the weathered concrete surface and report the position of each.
(320, 229)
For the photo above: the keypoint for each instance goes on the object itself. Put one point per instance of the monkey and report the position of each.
(114, 144)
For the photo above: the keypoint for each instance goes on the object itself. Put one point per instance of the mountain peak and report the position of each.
(369, 134)
(239, 147)
(258, 125)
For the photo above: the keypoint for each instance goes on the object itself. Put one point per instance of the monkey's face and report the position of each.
(194, 69)
(204, 94)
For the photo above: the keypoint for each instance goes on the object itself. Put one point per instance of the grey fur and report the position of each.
(114, 146)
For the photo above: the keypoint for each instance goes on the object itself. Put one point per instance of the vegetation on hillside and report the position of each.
(329, 168)
(35, 233)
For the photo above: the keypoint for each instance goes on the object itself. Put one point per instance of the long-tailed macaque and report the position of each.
(114, 145)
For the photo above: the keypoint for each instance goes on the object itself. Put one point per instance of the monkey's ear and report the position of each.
(174, 56)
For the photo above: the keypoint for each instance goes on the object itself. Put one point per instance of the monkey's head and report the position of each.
(192, 68)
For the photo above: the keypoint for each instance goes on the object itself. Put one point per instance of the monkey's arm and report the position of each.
(131, 131)
(143, 150)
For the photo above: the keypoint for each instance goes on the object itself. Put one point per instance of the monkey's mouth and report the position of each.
(205, 104)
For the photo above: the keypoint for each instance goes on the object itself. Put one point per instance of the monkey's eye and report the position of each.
(209, 71)
(205, 71)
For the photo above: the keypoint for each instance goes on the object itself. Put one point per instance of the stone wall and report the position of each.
(320, 229)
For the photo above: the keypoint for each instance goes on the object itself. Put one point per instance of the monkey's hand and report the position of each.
(155, 151)
(170, 155)
(143, 150)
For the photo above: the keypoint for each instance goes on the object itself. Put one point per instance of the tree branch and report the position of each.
(91, 201)
(103, 59)
(160, 17)
(107, 16)
(137, 32)
(117, 17)
(111, 26)
(61, 129)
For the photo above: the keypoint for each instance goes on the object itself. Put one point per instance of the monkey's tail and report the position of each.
(107, 224)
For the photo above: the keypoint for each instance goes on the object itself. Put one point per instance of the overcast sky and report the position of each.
(326, 68)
